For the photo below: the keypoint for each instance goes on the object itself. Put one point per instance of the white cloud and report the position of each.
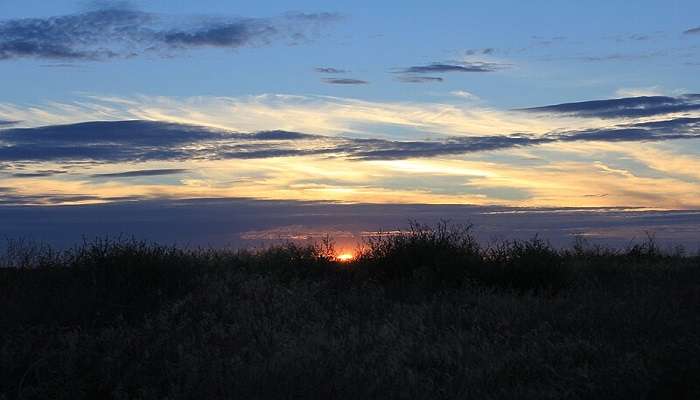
(648, 91)
(465, 95)
(310, 114)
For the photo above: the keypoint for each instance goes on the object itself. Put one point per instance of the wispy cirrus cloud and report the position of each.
(323, 114)
(466, 66)
(630, 107)
(146, 141)
(508, 160)
(329, 70)
(636, 36)
(484, 51)
(118, 31)
(38, 173)
(419, 79)
(622, 56)
(345, 81)
(140, 173)
(4, 123)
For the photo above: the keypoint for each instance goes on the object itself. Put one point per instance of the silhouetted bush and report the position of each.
(126, 319)
(525, 265)
(94, 283)
(292, 261)
(648, 250)
(439, 256)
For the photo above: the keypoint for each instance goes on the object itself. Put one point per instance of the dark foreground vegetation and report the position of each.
(428, 314)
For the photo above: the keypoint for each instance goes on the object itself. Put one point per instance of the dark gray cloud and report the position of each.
(276, 135)
(250, 222)
(672, 129)
(345, 81)
(138, 141)
(391, 150)
(103, 141)
(630, 107)
(419, 79)
(692, 31)
(10, 197)
(475, 66)
(4, 123)
(329, 70)
(38, 174)
(140, 173)
(118, 31)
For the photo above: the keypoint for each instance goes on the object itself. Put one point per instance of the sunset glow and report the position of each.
(349, 199)
(345, 257)
(528, 112)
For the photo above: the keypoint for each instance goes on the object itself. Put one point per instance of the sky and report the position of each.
(539, 104)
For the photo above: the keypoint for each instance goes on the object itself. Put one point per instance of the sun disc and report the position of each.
(345, 257)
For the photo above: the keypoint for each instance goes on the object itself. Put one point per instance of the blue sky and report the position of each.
(556, 52)
(505, 103)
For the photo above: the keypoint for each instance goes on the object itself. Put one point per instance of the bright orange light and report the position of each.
(345, 257)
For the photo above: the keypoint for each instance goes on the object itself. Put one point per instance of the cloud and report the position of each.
(629, 107)
(104, 141)
(475, 66)
(323, 114)
(635, 37)
(140, 173)
(329, 70)
(639, 37)
(464, 95)
(672, 129)
(344, 81)
(198, 124)
(394, 150)
(4, 123)
(419, 79)
(143, 141)
(277, 135)
(11, 197)
(485, 51)
(38, 174)
(60, 66)
(547, 41)
(245, 222)
(140, 141)
(692, 31)
(117, 31)
(621, 56)
(639, 91)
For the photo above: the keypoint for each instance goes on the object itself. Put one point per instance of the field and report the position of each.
(427, 314)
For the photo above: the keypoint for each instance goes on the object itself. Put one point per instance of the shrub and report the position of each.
(291, 261)
(95, 283)
(127, 319)
(648, 250)
(434, 257)
(524, 266)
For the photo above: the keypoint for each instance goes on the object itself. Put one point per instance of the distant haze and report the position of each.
(247, 223)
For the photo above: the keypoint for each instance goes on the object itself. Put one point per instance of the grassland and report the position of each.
(428, 314)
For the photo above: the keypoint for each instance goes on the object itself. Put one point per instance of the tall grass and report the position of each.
(425, 313)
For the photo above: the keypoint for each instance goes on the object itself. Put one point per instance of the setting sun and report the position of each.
(461, 209)
(345, 257)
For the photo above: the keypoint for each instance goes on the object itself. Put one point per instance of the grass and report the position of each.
(425, 314)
